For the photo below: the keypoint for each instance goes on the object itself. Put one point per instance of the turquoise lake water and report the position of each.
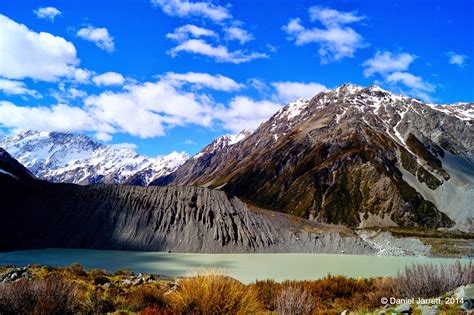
(245, 267)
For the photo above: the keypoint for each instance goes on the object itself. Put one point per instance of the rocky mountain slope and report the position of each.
(185, 219)
(204, 160)
(355, 156)
(9, 166)
(69, 158)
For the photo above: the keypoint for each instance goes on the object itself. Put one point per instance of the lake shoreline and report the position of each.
(244, 267)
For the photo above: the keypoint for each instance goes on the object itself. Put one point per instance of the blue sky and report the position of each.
(162, 75)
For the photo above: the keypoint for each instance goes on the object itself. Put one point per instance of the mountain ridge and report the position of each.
(298, 163)
(182, 219)
(69, 158)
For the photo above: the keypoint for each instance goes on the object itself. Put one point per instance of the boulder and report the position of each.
(403, 309)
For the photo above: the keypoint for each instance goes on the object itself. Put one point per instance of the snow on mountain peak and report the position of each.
(224, 142)
(65, 157)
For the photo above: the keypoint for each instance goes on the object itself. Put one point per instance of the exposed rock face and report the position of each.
(69, 158)
(183, 219)
(356, 156)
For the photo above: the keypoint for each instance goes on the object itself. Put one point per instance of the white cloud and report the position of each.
(200, 80)
(47, 13)
(411, 81)
(76, 93)
(336, 40)
(385, 62)
(145, 110)
(219, 53)
(99, 36)
(244, 112)
(40, 56)
(124, 145)
(103, 136)
(11, 87)
(455, 59)
(290, 91)
(394, 70)
(182, 33)
(190, 142)
(82, 75)
(186, 8)
(108, 78)
(67, 93)
(258, 84)
(55, 118)
(330, 17)
(238, 34)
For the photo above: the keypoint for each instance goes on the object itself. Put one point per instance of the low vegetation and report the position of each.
(66, 290)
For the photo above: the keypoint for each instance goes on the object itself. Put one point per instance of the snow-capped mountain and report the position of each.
(201, 160)
(69, 158)
(359, 156)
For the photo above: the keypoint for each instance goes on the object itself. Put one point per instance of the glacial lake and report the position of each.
(245, 267)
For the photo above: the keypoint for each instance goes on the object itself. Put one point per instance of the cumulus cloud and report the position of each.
(237, 33)
(103, 136)
(108, 78)
(411, 81)
(12, 87)
(48, 13)
(394, 68)
(145, 110)
(244, 112)
(456, 59)
(331, 17)
(99, 36)
(385, 62)
(290, 91)
(55, 118)
(182, 33)
(336, 40)
(219, 53)
(40, 56)
(82, 75)
(186, 9)
(200, 80)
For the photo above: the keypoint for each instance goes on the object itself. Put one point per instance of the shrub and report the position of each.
(294, 300)
(52, 295)
(432, 280)
(215, 294)
(144, 297)
(77, 270)
(157, 311)
(268, 290)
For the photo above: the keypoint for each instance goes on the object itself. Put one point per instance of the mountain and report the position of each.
(10, 167)
(69, 158)
(185, 219)
(201, 162)
(358, 156)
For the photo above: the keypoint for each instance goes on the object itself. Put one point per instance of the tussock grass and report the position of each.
(211, 292)
(65, 290)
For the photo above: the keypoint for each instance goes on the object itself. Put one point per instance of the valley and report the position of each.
(353, 170)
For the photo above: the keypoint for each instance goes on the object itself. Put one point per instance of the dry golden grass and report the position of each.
(214, 293)
(74, 290)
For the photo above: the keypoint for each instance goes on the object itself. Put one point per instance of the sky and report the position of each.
(164, 75)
